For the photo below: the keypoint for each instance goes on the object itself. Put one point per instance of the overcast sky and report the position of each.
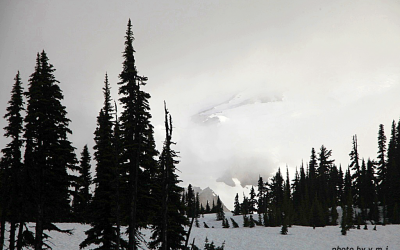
(251, 85)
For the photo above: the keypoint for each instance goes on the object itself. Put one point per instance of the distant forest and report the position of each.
(366, 190)
(43, 181)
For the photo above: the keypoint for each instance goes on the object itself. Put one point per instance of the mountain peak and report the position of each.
(209, 195)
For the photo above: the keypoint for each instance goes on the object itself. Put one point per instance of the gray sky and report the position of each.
(251, 85)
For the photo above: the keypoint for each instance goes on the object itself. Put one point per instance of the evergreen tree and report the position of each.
(276, 189)
(138, 142)
(197, 206)
(252, 201)
(392, 174)
(234, 223)
(237, 208)
(343, 223)
(318, 214)
(168, 228)
(82, 196)
(225, 223)
(251, 221)
(324, 168)
(246, 221)
(245, 205)
(191, 202)
(261, 194)
(208, 209)
(284, 229)
(220, 210)
(382, 180)
(102, 209)
(349, 211)
(312, 176)
(48, 154)
(287, 205)
(355, 166)
(11, 199)
(118, 182)
(395, 179)
(296, 191)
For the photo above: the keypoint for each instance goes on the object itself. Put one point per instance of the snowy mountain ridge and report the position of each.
(209, 195)
(217, 113)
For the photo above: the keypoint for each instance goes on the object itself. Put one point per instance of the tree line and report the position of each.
(42, 181)
(367, 190)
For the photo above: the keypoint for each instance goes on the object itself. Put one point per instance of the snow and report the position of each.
(298, 238)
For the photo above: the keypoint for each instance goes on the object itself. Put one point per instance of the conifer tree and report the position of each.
(284, 229)
(287, 205)
(252, 201)
(261, 195)
(276, 189)
(48, 154)
(349, 211)
(251, 221)
(102, 209)
(82, 194)
(197, 206)
(191, 202)
(382, 180)
(168, 228)
(324, 168)
(296, 196)
(245, 205)
(312, 176)
(355, 166)
(392, 175)
(395, 179)
(220, 210)
(343, 224)
(11, 199)
(208, 209)
(234, 223)
(138, 142)
(237, 208)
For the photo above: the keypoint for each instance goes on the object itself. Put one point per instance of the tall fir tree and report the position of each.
(103, 233)
(137, 141)
(190, 202)
(48, 154)
(261, 196)
(82, 195)
(252, 201)
(312, 175)
(355, 166)
(382, 178)
(395, 180)
(324, 168)
(220, 210)
(237, 209)
(168, 227)
(392, 159)
(11, 199)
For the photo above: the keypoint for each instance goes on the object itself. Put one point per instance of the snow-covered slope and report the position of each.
(298, 238)
(218, 113)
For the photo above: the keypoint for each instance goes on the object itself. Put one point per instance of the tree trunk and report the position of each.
(13, 228)
(188, 234)
(2, 229)
(20, 235)
(39, 228)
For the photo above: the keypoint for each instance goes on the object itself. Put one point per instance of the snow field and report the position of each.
(298, 238)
